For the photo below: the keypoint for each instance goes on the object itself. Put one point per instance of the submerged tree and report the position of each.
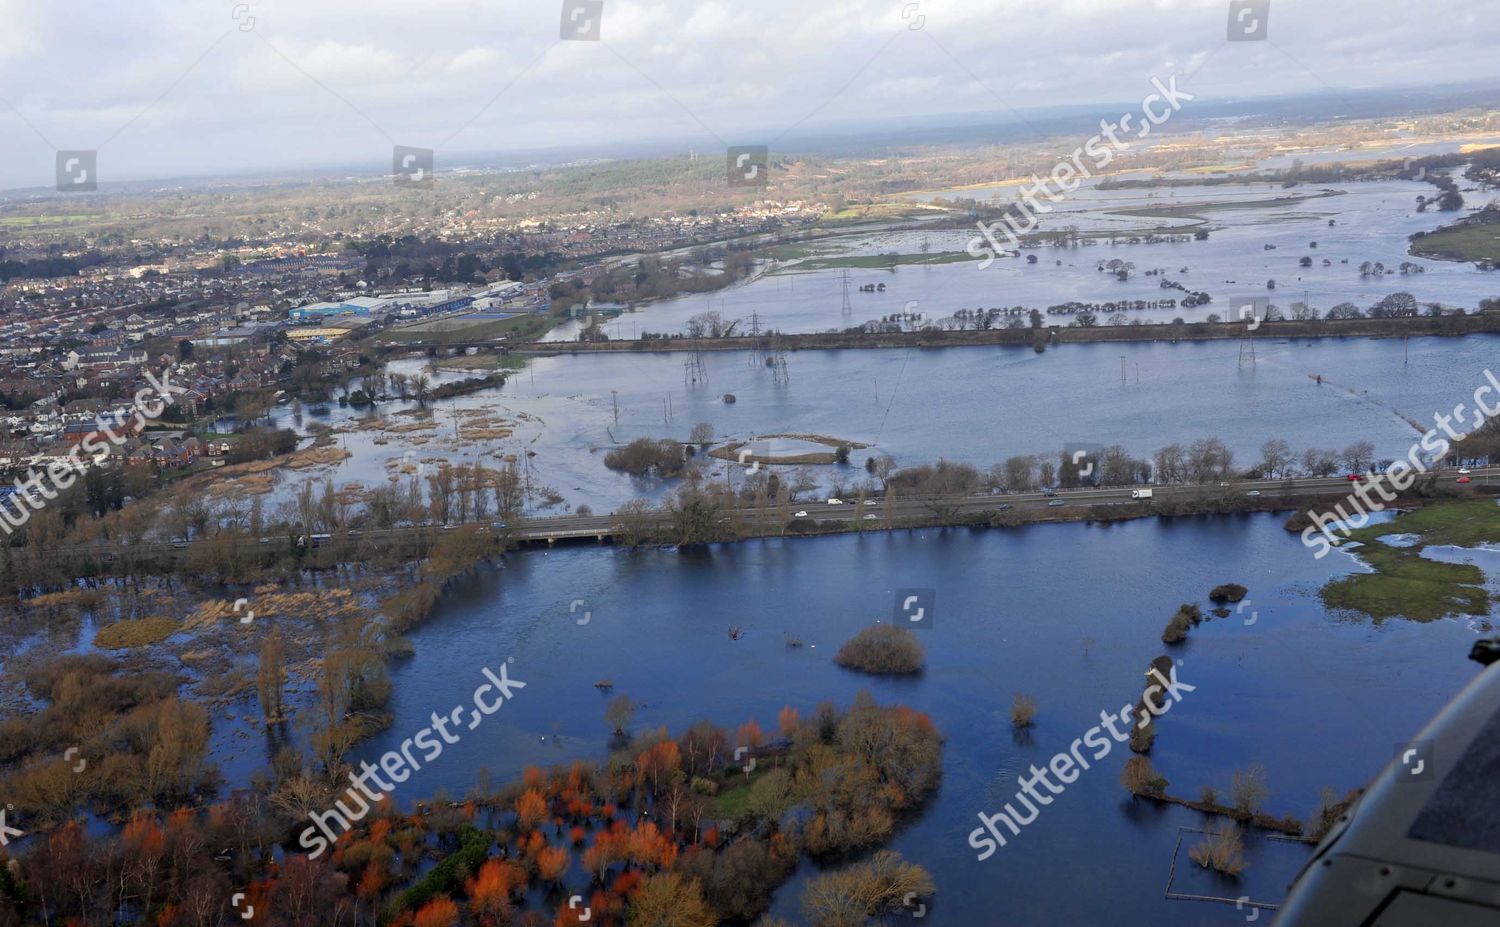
(270, 679)
(851, 896)
(1222, 850)
(619, 713)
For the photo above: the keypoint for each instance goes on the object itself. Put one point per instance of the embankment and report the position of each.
(1416, 327)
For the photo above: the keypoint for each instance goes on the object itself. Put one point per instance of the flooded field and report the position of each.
(1370, 222)
(977, 405)
(1319, 700)
(557, 418)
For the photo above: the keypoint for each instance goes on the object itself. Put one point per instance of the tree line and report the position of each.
(670, 830)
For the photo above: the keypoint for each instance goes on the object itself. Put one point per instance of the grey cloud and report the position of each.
(420, 71)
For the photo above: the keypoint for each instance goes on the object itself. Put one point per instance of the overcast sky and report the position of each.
(168, 88)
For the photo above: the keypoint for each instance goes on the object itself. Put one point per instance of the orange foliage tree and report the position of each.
(373, 882)
(551, 863)
(531, 809)
(489, 890)
(658, 760)
(609, 847)
(749, 735)
(648, 846)
(439, 912)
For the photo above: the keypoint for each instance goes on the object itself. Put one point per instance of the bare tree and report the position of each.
(1359, 456)
(803, 481)
(1117, 467)
(1018, 473)
(1247, 790)
(1275, 458)
(706, 325)
(270, 678)
(1209, 460)
(942, 487)
(620, 712)
(1171, 464)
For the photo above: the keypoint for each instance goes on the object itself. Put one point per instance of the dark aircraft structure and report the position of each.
(1421, 846)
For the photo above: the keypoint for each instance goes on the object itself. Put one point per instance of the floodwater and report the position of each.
(976, 405)
(981, 405)
(1319, 701)
(1372, 221)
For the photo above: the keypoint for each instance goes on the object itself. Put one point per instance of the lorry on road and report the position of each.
(1140, 494)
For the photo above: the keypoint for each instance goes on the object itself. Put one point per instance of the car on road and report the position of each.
(871, 516)
(1464, 471)
(1056, 502)
(1050, 493)
(1253, 492)
(800, 515)
(1002, 507)
(1355, 477)
(1464, 479)
(871, 502)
